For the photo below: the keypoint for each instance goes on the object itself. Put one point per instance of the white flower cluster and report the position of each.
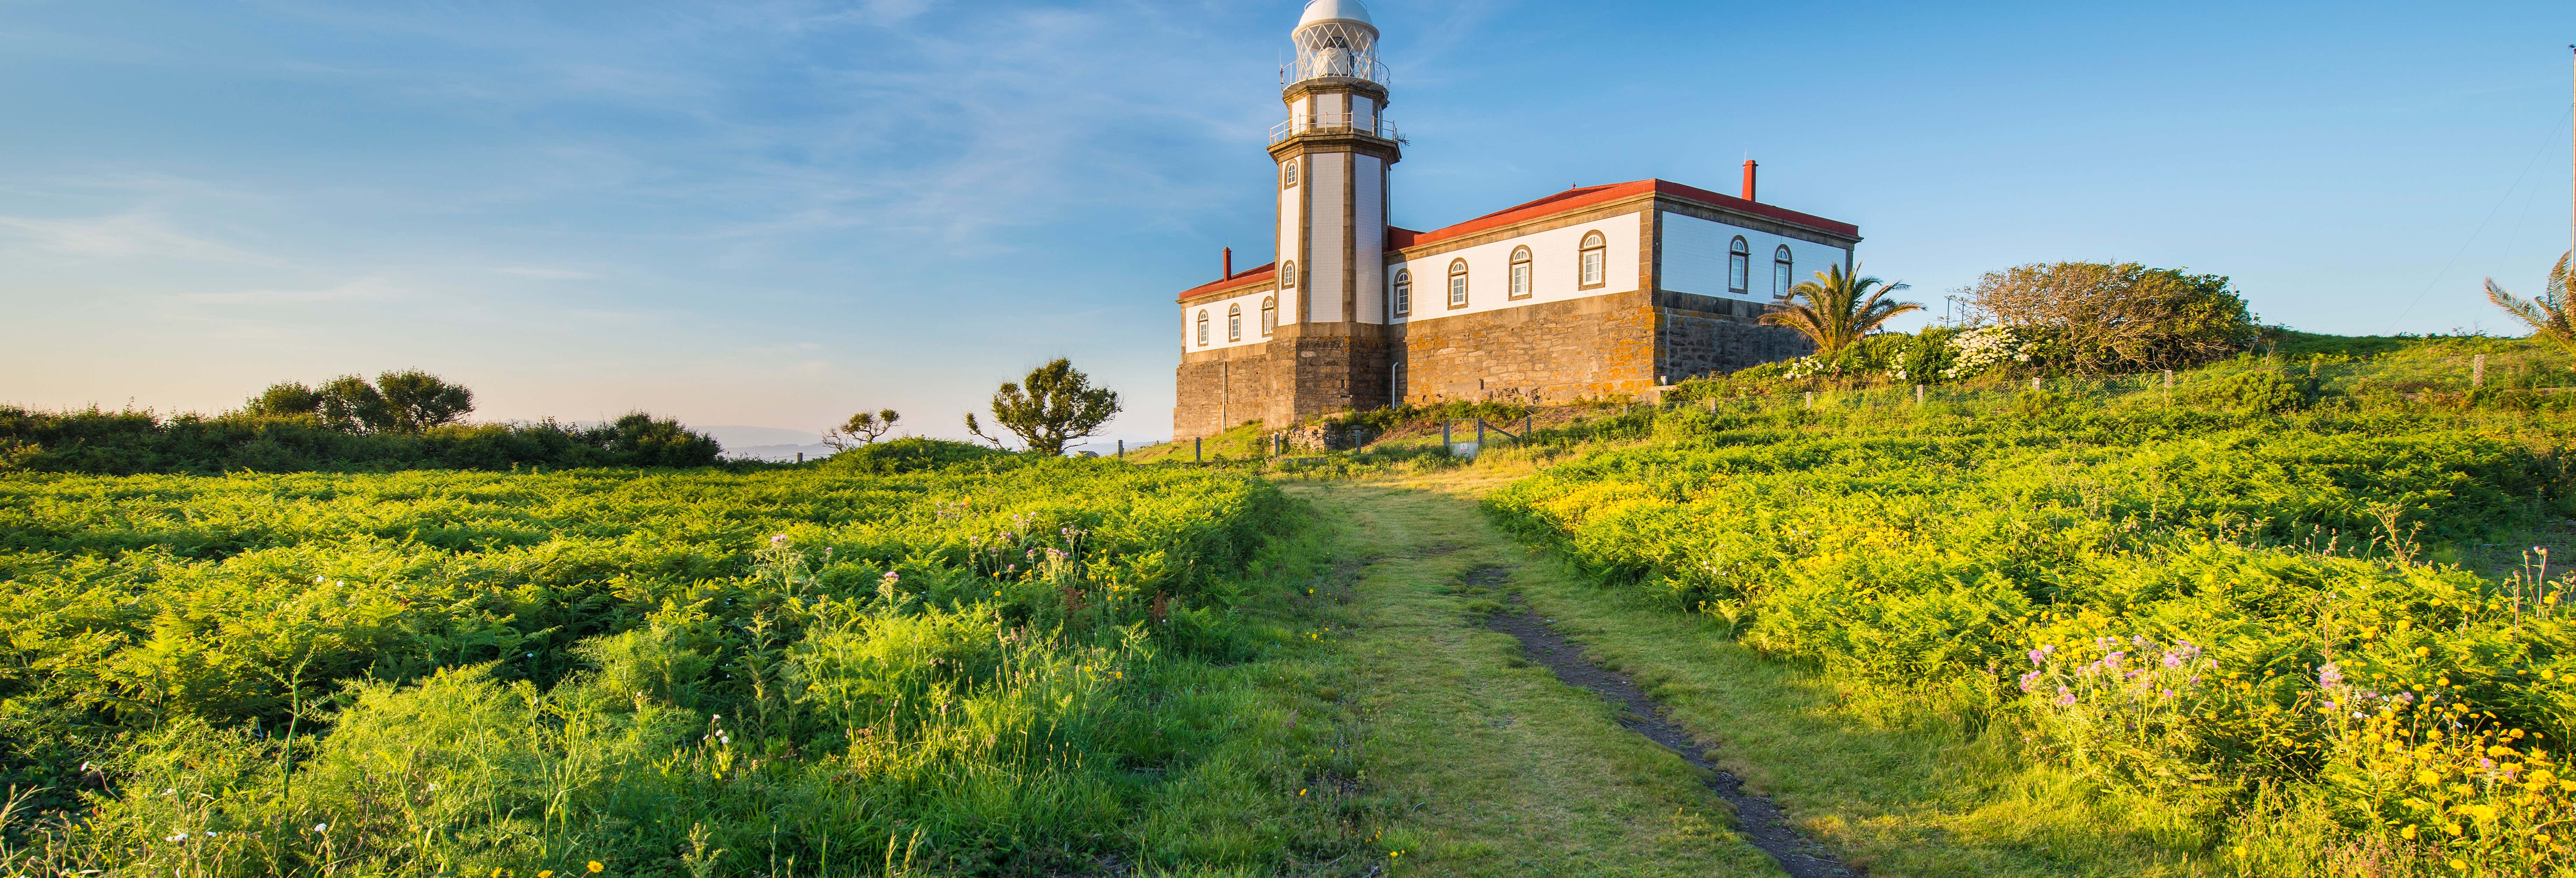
(1976, 350)
(1805, 367)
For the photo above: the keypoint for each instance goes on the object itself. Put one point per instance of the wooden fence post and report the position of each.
(2478, 371)
(1811, 399)
(1122, 449)
(1918, 394)
(1198, 450)
(2034, 382)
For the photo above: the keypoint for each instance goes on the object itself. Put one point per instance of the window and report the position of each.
(1596, 259)
(1288, 275)
(1202, 329)
(1520, 280)
(1288, 174)
(1234, 323)
(1780, 272)
(1458, 283)
(1269, 315)
(1739, 265)
(1403, 293)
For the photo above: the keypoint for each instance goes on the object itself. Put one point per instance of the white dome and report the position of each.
(1327, 10)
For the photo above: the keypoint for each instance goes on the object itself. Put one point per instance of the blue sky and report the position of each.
(776, 212)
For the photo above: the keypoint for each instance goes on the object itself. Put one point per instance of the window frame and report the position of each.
(1458, 288)
(1269, 315)
(1234, 323)
(1739, 265)
(1592, 254)
(1288, 174)
(1784, 271)
(1403, 292)
(1203, 327)
(1521, 281)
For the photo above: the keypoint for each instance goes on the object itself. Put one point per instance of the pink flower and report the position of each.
(779, 540)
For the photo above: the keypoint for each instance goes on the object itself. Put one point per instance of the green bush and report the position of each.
(2236, 604)
(127, 443)
(997, 670)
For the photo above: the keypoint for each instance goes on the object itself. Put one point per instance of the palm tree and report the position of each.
(2549, 313)
(1836, 309)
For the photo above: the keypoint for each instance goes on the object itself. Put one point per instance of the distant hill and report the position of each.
(816, 451)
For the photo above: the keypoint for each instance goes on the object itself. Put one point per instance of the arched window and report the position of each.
(1403, 293)
(1269, 315)
(1288, 176)
(1458, 283)
(1780, 272)
(1595, 258)
(1202, 328)
(1520, 277)
(1739, 265)
(1234, 323)
(1287, 275)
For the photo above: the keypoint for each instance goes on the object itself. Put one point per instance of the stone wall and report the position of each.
(1220, 389)
(1550, 353)
(1330, 437)
(1694, 342)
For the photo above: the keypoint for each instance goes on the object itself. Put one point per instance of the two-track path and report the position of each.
(1515, 753)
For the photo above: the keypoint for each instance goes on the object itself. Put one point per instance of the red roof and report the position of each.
(1587, 196)
(1238, 279)
(1398, 238)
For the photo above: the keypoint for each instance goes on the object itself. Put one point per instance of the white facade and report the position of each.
(1217, 311)
(1698, 258)
(1555, 257)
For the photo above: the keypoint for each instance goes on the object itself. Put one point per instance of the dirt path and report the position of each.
(1504, 769)
(1756, 816)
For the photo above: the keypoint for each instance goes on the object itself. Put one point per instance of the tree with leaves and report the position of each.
(409, 401)
(1054, 405)
(2092, 316)
(863, 429)
(1836, 309)
(412, 401)
(2550, 313)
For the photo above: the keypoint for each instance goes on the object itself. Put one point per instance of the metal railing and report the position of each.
(1324, 65)
(1335, 123)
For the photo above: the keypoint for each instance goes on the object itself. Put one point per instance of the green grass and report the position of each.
(1494, 767)
(1911, 556)
(1004, 667)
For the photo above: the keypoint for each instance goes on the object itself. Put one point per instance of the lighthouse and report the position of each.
(1603, 291)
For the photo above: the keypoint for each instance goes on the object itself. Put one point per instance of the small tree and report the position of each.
(414, 401)
(862, 429)
(2091, 316)
(2550, 313)
(285, 399)
(1836, 309)
(1059, 405)
(350, 404)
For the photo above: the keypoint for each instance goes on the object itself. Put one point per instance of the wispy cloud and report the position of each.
(140, 235)
(365, 289)
(547, 273)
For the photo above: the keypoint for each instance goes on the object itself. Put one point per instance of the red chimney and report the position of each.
(1748, 180)
(1229, 262)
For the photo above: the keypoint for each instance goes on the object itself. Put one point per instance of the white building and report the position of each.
(1594, 291)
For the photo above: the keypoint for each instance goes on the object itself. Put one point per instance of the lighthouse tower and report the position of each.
(1333, 153)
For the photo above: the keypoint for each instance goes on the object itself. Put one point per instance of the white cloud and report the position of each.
(125, 236)
(547, 273)
(366, 289)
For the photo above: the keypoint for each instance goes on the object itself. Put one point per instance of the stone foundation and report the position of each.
(1550, 353)
(1553, 353)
